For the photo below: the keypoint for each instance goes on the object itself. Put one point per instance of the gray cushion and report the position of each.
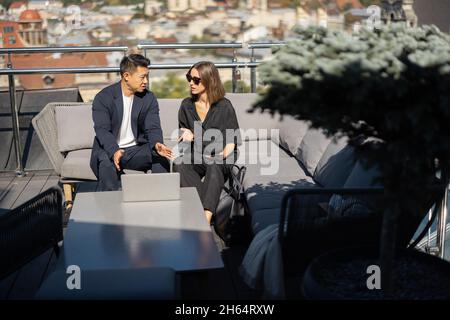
(311, 149)
(362, 205)
(252, 134)
(242, 101)
(145, 283)
(268, 193)
(264, 218)
(257, 151)
(75, 127)
(335, 165)
(291, 134)
(282, 167)
(348, 206)
(168, 114)
(362, 178)
(251, 129)
(76, 165)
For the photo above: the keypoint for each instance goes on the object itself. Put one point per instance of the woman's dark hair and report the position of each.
(131, 62)
(210, 78)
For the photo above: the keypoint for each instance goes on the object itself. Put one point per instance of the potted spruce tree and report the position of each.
(391, 84)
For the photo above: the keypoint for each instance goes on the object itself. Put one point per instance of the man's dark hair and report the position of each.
(131, 62)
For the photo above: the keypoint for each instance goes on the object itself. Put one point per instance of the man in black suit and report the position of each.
(127, 126)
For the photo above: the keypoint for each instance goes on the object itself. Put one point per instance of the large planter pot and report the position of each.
(342, 275)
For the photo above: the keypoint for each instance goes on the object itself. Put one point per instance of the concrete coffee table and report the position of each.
(105, 233)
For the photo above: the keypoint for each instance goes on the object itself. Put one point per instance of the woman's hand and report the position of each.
(229, 148)
(186, 135)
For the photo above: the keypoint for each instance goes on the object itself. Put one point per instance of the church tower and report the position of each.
(411, 16)
(397, 11)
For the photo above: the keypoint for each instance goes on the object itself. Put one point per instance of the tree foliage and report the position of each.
(172, 86)
(367, 3)
(241, 86)
(67, 3)
(391, 85)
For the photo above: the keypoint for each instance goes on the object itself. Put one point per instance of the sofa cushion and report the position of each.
(267, 192)
(76, 165)
(259, 151)
(277, 168)
(168, 114)
(311, 149)
(348, 206)
(251, 129)
(260, 219)
(291, 134)
(75, 127)
(363, 178)
(335, 165)
(357, 205)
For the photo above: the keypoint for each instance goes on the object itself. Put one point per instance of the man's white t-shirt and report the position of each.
(126, 138)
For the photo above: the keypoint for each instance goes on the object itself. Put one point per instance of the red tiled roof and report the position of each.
(166, 40)
(16, 5)
(30, 15)
(337, 6)
(354, 3)
(45, 60)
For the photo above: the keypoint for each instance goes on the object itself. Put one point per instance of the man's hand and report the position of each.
(187, 135)
(117, 156)
(163, 150)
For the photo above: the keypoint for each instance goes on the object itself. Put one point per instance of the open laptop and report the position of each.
(151, 187)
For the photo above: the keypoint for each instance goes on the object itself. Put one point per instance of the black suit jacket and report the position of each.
(107, 112)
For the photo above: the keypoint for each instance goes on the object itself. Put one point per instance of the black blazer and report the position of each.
(107, 112)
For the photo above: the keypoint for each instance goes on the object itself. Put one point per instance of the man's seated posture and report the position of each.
(127, 126)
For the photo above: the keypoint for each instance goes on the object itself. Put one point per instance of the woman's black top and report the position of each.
(220, 117)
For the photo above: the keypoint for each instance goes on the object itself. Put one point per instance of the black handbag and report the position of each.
(230, 220)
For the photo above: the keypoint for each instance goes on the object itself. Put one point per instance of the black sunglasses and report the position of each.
(195, 79)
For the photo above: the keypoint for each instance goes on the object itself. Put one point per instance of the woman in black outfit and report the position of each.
(210, 128)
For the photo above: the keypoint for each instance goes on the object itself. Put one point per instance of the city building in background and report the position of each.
(92, 23)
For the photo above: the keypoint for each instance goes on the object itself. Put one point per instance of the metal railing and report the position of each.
(117, 69)
(195, 46)
(252, 47)
(234, 45)
(63, 49)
